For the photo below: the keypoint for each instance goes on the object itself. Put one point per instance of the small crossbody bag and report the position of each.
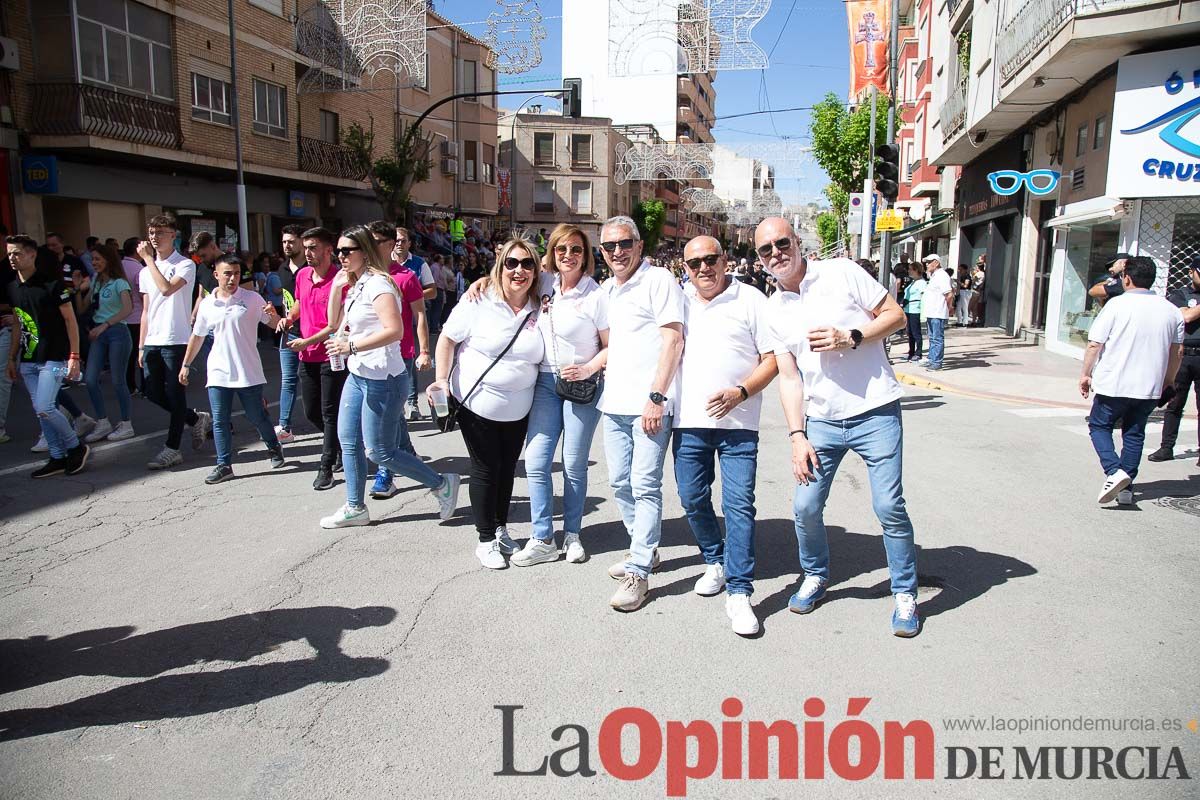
(584, 391)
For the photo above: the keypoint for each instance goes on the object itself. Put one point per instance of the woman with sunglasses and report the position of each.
(370, 328)
(491, 385)
(574, 329)
(232, 314)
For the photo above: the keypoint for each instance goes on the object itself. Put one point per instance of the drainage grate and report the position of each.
(1188, 505)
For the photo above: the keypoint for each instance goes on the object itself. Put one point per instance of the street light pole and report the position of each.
(243, 225)
(885, 239)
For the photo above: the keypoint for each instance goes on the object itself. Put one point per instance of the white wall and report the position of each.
(733, 176)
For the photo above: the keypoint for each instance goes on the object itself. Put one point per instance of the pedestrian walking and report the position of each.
(935, 307)
(1187, 299)
(913, 293)
(111, 342)
(281, 293)
(133, 271)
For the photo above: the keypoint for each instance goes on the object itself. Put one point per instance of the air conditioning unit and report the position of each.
(449, 166)
(10, 57)
(449, 149)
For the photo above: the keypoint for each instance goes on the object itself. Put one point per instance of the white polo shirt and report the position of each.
(842, 383)
(933, 299)
(234, 361)
(576, 318)
(724, 339)
(1138, 330)
(637, 309)
(483, 329)
(169, 319)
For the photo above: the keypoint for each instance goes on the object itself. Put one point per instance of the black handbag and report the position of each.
(584, 391)
(447, 423)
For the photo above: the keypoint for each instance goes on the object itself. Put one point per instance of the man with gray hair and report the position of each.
(645, 341)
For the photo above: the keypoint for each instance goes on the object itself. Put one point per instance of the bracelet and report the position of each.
(424, 352)
(799, 431)
(353, 349)
(188, 367)
(74, 356)
(745, 394)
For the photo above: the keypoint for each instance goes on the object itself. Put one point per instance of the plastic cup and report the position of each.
(441, 405)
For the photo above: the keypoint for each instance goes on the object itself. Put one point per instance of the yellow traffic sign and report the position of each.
(889, 220)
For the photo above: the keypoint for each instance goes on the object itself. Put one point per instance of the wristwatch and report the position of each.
(856, 337)
(658, 398)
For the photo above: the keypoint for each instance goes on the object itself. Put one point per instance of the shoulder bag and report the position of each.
(447, 423)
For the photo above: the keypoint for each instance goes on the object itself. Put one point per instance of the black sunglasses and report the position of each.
(784, 245)
(709, 260)
(611, 247)
(344, 252)
(573, 249)
(527, 264)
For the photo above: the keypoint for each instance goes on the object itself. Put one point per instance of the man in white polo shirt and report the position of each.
(935, 307)
(729, 359)
(645, 341)
(829, 319)
(166, 288)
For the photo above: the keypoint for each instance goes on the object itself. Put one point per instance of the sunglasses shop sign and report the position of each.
(1155, 148)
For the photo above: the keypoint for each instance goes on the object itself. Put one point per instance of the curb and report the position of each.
(939, 386)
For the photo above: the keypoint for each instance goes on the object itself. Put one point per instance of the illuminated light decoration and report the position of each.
(515, 35)
(766, 203)
(702, 201)
(663, 162)
(684, 37)
(354, 41)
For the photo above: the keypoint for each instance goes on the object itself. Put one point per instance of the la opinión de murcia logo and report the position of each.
(1172, 122)
(853, 749)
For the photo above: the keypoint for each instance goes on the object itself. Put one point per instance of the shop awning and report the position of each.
(1090, 212)
(936, 219)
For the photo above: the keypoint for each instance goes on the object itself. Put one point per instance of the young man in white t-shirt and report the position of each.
(935, 307)
(839, 394)
(1135, 346)
(166, 288)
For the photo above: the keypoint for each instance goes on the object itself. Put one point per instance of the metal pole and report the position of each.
(243, 225)
(885, 241)
(864, 242)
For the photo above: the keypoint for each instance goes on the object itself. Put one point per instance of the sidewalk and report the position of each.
(986, 362)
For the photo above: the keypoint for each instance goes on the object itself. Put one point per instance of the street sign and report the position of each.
(889, 220)
(854, 212)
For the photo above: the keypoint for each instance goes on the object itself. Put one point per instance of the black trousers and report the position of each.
(164, 389)
(321, 391)
(494, 448)
(1187, 378)
(913, 330)
(133, 376)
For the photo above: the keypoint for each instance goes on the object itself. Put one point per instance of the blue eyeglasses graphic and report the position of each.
(1038, 181)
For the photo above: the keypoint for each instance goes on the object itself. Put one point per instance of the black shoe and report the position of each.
(220, 474)
(55, 466)
(1162, 454)
(324, 479)
(77, 457)
(276, 456)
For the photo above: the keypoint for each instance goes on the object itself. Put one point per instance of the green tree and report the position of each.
(841, 142)
(828, 229)
(394, 174)
(650, 216)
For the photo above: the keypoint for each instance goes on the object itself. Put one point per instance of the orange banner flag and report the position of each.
(869, 33)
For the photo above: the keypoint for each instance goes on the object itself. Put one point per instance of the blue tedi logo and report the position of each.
(1172, 122)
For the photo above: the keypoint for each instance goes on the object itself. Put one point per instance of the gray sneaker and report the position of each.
(535, 551)
(447, 495)
(166, 458)
(507, 545)
(201, 429)
(617, 570)
(630, 594)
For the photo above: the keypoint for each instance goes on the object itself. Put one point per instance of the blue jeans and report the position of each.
(43, 382)
(937, 341)
(410, 368)
(551, 418)
(289, 378)
(5, 383)
(403, 438)
(913, 330)
(1131, 414)
(111, 349)
(878, 437)
(220, 400)
(635, 471)
(370, 412)
(694, 450)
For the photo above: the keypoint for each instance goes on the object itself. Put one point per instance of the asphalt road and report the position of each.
(161, 638)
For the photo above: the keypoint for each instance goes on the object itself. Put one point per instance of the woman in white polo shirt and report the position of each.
(232, 315)
(574, 328)
(491, 386)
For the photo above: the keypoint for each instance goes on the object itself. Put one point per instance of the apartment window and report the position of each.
(210, 99)
(274, 6)
(330, 129)
(581, 149)
(470, 160)
(125, 44)
(1081, 140)
(543, 149)
(467, 78)
(270, 109)
(1101, 134)
(488, 164)
(543, 196)
(909, 152)
(581, 197)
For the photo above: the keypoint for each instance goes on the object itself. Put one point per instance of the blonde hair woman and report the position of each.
(369, 333)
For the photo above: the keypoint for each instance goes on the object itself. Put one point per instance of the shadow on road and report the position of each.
(115, 652)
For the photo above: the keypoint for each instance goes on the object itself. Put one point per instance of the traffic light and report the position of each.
(572, 101)
(887, 171)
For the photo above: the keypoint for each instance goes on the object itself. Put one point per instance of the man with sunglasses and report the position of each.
(645, 341)
(839, 395)
(1111, 286)
(728, 361)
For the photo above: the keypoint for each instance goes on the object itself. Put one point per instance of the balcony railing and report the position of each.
(331, 160)
(953, 114)
(72, 109)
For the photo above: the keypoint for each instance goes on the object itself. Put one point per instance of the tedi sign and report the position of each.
(1156, 126)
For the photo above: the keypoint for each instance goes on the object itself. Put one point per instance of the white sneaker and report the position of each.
(1113, 485)
(712, 581)
(1125, 497)
(84, 425)
(575, 552)
(40, 446)
(165, 458)
(507, 545)
(535, 551)
(447, 495)
(201, 429)
(124, 430)
(489, 555)
(284, 437)
(347, 517)
(101, 430)
(741, 614)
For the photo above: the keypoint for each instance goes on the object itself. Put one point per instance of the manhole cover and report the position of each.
(1188, 505)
